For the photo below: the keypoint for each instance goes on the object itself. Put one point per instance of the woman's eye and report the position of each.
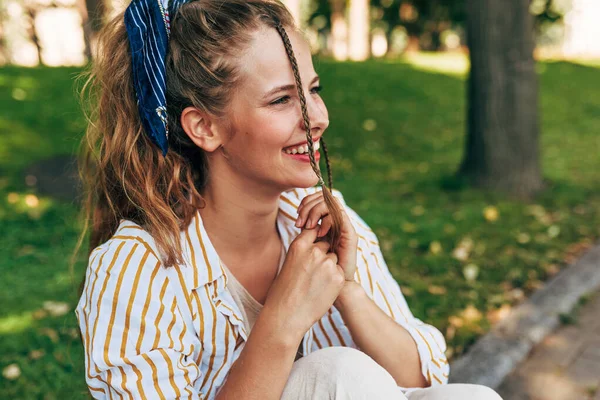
(285, 99)
(281, 100)
(317, 89)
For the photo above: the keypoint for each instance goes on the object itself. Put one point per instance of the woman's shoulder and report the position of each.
(130, 235)
(130, 254)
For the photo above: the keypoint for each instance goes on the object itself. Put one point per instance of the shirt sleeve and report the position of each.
(374, 276)
(135, 338)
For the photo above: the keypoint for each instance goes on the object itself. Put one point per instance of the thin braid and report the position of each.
(334, 234)
(324, 147)
(290, 53)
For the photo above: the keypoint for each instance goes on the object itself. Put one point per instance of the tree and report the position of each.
(339, 30)
(359, 43)
(295, 10)
(502, 151)
(92, 14)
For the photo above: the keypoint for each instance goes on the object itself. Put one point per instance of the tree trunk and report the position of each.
(31, 12)
(92, 16)
(339, 30)
(359, 23)
(4, 56)
(502, 151)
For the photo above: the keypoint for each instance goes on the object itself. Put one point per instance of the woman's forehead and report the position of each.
(266, 63)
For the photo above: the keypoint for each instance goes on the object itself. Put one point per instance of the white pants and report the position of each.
(344, 373)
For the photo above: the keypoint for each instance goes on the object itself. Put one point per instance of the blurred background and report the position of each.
(464, 132)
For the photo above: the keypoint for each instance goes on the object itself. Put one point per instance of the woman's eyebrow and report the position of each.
(287, 87)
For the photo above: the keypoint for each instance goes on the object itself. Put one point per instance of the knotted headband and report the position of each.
(148, 29)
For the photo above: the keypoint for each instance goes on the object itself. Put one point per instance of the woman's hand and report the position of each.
(309, 283)
(312, 209)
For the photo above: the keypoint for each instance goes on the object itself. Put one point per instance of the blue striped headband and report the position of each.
(148, 29)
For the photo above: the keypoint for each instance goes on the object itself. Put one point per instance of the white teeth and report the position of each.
(303, 149)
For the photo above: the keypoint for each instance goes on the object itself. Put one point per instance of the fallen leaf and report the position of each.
(73, 332)
(553, 231)
(449, 229)
(580, 209)
(471, 272)
(31, 200)
(418, 210)
(11, 372)
(471, 314)
(437, 290)
(534, 284)
(369, 125)
(387, 245)
(517, 294)
(491, 213)
(435, 247)
(523, 238)
(552, 269)
(499, 314)
(39, 314)
(12, 197)
(51, 333)
(36, 354)
(56, 308)
(450, 332)
(409, 228)
(456, 321)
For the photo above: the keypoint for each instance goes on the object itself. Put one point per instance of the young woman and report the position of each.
(218, 269)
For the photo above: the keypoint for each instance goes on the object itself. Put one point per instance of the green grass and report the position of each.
(396, 137)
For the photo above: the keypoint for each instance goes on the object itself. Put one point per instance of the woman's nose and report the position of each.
(317, 114)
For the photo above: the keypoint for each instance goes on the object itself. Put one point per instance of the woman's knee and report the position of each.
(342, 372)
(345, 362)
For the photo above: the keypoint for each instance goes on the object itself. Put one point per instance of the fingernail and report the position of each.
(299, 222)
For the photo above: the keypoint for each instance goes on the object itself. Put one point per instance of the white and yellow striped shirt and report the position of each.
(169, 333)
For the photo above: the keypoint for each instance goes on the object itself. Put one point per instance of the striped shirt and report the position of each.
(154, 332)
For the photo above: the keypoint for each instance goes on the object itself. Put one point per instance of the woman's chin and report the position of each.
(305, 182)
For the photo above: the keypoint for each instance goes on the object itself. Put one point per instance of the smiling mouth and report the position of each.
(304, 157)
(302, 149)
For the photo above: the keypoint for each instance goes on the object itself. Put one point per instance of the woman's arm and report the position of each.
(379, 336)
(382, 289)
(263, 367)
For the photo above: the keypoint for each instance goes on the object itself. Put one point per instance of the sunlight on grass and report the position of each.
(16, 323)
(26, 203)
(445, 63)
(595, 63)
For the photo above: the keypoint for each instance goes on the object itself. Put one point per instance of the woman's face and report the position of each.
(265, 115)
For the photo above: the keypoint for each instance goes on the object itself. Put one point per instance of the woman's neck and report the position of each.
(239, 219)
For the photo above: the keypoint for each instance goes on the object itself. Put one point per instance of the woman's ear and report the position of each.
(202, 129)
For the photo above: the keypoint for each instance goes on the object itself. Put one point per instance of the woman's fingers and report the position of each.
(304, 212)
(326, 224)
(313, 208)
(308, 198)
(317, 211)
